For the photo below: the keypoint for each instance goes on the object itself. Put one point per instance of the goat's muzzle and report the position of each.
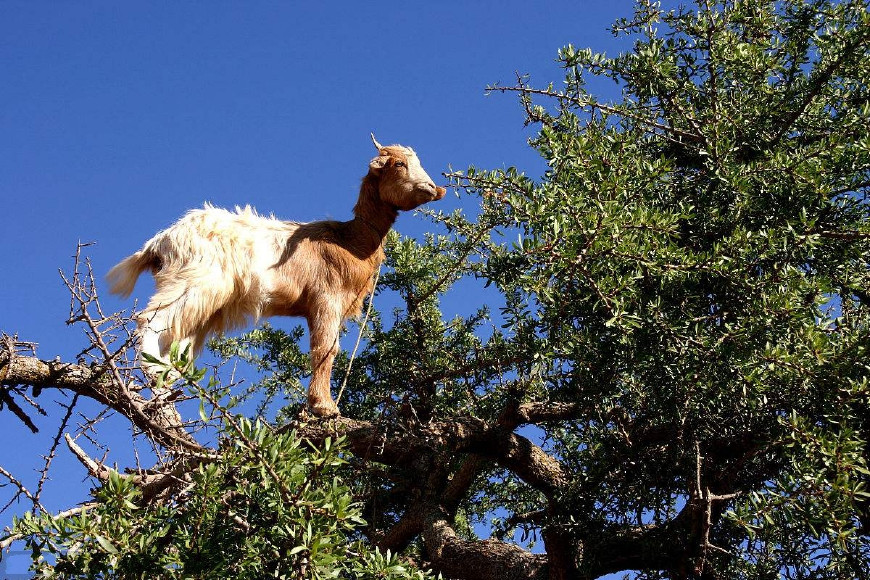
(439, 193)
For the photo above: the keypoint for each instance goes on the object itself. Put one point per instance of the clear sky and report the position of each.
(117, 117)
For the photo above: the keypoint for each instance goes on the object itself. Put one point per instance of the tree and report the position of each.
(672, 377)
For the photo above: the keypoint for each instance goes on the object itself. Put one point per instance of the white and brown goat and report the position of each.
(217, 270)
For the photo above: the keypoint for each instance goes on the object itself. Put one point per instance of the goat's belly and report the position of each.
(283, 300)
(284, 309)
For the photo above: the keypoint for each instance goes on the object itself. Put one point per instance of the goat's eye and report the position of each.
(401, 164)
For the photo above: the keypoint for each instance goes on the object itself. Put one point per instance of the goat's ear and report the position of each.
(377, 164)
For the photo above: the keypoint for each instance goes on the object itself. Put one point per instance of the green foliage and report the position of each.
(269, 504)
(695, 262)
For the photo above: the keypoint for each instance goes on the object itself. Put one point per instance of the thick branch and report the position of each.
(93, 382)
(672, 545)
(538, 412)
(152, 485)
(478, 560)
(528, 461)
(458, 435)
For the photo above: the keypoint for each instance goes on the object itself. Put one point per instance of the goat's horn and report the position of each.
(375, 141)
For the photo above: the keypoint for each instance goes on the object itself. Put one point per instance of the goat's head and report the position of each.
(403, 181)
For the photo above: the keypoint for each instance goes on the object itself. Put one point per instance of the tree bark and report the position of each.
(157, 419)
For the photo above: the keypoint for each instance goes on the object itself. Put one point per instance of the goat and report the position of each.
(217, 270)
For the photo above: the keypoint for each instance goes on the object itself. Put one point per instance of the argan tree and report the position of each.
(667, 374)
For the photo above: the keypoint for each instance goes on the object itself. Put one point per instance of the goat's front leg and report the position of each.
(324, 326)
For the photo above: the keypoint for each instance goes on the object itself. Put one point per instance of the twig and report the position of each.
(95, 468)
(703, 495)
(358, 337)
(255, 449)
(582, 103)
(54, 444)
(22, 490)
(450, 272)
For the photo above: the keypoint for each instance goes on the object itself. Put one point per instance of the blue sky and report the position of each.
(117, 117)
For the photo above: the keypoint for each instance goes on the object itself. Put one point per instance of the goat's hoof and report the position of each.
(324, 410)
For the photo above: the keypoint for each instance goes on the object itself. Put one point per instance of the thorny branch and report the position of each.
(22, 490)
(667, 131)
(55, 442)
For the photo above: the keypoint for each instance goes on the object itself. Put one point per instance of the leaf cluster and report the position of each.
(270, 505)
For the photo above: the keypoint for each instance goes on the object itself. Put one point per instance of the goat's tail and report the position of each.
(122, 277)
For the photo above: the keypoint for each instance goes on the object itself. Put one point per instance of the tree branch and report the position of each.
(458, 435)
(95, 383)
(478, 560)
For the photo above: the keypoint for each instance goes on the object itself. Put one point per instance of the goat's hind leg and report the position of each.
(155, 343)
(153, 338)
(152, 329)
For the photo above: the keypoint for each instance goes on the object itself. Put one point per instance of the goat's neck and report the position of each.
(373, 218)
